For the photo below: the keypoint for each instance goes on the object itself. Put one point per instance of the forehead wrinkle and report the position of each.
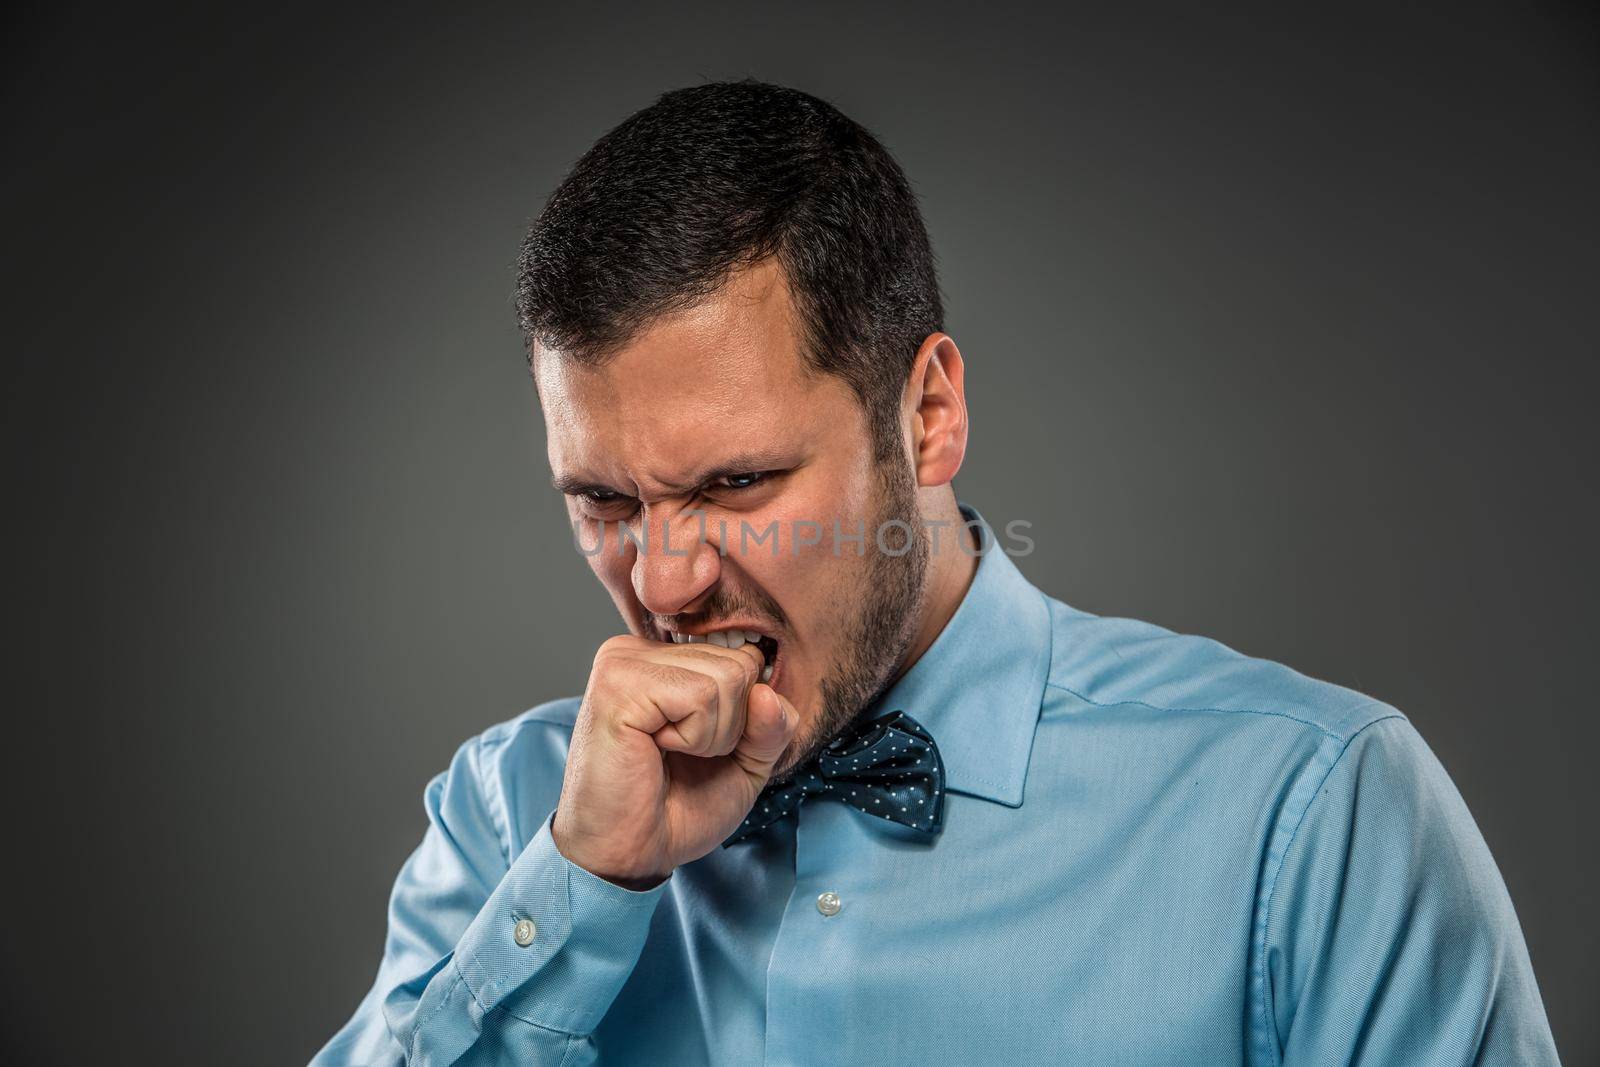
(670, 458)
(742, 462)
(684, 385)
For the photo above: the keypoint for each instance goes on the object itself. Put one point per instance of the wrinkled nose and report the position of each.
(676, 565)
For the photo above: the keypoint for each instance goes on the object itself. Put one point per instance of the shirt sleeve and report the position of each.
(464, 976)
(1390, 937)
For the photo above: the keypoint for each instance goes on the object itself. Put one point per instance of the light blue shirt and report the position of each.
(1156, 851)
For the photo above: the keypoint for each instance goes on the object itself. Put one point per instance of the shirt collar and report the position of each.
(979, 686)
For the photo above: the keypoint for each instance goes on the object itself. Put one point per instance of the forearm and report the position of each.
(527, 981)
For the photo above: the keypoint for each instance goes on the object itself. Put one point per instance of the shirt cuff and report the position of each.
(554, 944)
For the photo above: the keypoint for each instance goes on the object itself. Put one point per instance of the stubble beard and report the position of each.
(880, 632)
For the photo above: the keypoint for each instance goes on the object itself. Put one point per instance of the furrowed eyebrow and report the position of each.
(753, 463)
(745, 463)
(578, 486)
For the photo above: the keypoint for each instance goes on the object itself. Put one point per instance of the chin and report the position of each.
(799, 748)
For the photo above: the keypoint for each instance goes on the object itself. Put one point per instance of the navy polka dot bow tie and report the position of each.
(888, 767)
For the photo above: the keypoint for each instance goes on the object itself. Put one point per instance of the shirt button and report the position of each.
(524, 932)
(829, 903)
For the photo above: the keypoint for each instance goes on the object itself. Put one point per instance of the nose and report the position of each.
(677, 565)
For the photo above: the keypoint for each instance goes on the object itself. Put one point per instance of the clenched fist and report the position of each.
(672, 745)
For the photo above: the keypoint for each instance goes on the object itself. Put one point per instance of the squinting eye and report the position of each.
(607, 502)
(742, 481)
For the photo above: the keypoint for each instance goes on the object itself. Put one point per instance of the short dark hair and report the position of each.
(659, 212)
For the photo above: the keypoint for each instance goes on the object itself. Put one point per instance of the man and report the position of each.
(850, 790)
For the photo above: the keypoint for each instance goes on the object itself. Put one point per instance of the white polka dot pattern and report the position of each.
(888, 767)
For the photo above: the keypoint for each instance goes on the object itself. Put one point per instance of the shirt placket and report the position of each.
(803, 982)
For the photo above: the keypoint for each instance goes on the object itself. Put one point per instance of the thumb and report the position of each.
(770, 722)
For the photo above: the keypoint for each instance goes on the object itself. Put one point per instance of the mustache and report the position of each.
(725, 604)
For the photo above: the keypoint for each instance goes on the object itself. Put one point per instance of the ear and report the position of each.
(936, 399)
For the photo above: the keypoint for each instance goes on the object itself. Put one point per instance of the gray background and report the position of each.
(1278, 328)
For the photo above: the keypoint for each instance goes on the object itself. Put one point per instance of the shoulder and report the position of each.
(542, 732)
(552, 718)
(533, 742)
(1117, 663)
(512, 771)
(1271, 747)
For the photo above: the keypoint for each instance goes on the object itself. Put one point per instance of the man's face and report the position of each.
(714, 409)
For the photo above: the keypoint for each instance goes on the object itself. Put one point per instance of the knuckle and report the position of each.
(604, 657)
(698, 731)
(734, 668)
(704, 688)
(691, 685)
(613, 647)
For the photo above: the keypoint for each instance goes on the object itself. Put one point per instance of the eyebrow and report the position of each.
(743, 463)
(575, 486)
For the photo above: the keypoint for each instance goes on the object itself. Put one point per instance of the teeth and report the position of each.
(721, 638)
(766, 673)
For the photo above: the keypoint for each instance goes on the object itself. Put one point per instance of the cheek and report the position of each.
(614, 571)
(822, 517)
(824, 530)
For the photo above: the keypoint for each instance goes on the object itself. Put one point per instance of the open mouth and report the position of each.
(735, 637)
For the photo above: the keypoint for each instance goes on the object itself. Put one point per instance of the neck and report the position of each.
(952, 561)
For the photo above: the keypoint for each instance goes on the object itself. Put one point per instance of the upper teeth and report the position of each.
(721, 638)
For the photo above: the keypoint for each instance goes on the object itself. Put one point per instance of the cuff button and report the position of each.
(524, 933)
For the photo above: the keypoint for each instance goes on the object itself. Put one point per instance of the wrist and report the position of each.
(636, 885)
(626, 876)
